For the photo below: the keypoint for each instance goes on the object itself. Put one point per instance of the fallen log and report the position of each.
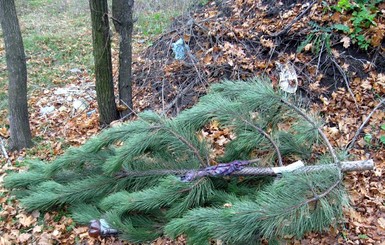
(237, 168)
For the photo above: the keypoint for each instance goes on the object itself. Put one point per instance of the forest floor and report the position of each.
(340, 76)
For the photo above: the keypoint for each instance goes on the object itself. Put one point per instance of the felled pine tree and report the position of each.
(154, 176)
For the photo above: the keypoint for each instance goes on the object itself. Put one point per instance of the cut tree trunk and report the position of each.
(102, 58)
(298, 167)
(122, 11)
(17, 72)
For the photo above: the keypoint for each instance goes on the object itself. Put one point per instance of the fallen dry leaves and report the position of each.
(364, 220)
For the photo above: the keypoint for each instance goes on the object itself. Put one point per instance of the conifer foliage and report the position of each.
(137, 176)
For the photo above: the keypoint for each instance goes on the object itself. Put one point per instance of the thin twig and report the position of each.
(375, 56)
(353, 141)
(287, 27)
(261, 131)
(269, 61)
(295, 207)
(129, 114)
(192, 58)
(319, 59)
(316, 196)
(346, 81)
(192, 147)
(307, 118)
(162, 94)
(178, 96)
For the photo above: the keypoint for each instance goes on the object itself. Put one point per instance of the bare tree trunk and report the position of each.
(122, 18)
(17, 73)
(103, 65)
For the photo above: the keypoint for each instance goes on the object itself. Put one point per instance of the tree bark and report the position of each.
(122, 11)
(102, 59)
(17, 73)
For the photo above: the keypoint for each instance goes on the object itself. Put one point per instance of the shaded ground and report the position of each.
(227, 40)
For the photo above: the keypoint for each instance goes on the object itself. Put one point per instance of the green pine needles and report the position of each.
(140, 176)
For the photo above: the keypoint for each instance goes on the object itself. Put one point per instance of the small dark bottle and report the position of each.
(100, 227)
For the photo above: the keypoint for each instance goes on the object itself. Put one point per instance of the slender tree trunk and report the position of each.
(102, 58)
(17, 74)
(122, 18)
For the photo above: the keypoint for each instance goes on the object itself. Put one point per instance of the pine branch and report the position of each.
(315, 198)
(132, 148)
(307, 118)
(136, 228)
(153, 175)
(261, 131)
(164, 194)
(282, 208)
(50, 193)
(25, 179)
(83, 213)
(191, 146)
